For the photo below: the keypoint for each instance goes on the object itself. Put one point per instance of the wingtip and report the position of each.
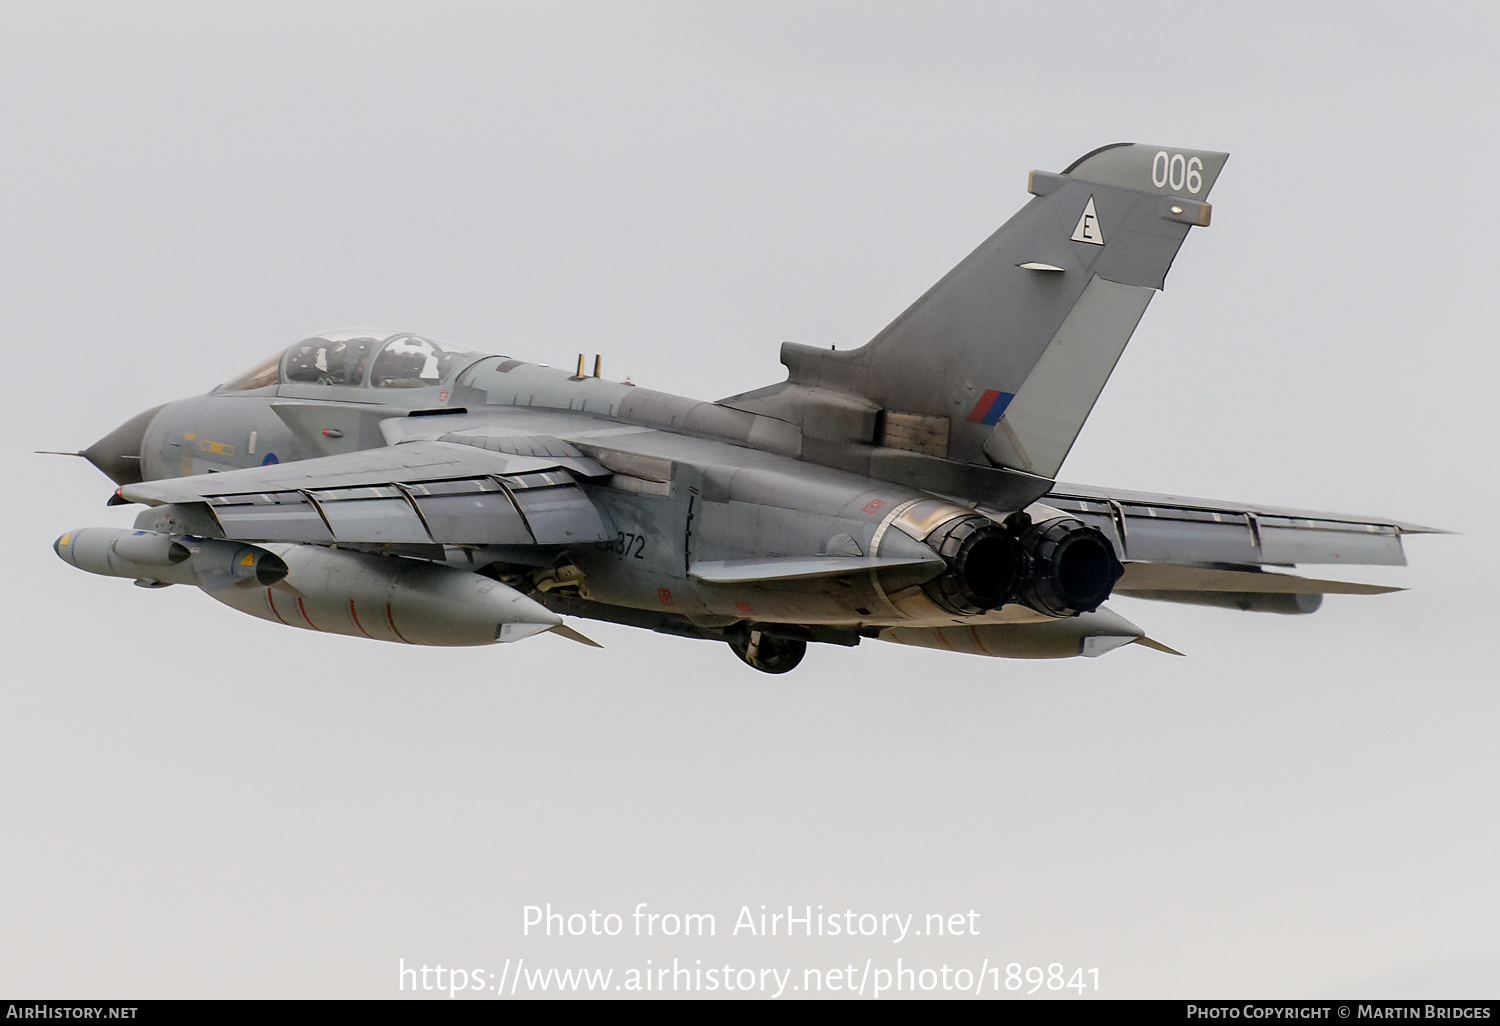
(1423, 529)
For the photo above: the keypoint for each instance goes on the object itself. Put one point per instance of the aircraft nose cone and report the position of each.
(118, 454)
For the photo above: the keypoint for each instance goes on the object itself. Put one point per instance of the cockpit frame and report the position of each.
(358, 358)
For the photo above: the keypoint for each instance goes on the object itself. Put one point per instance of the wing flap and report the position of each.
(1163, 499)
(420, 492)
(1153, 528)
(1288, 540)
(371, 514)
(555, 508)
(270, 516)
(474, 511)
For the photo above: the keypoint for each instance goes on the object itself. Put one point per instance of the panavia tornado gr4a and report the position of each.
(385, 485)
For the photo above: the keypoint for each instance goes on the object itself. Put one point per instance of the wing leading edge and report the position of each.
(1149, 527)
(421, 492)
(1194, 551)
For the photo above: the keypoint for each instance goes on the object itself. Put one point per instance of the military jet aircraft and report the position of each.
(384, 485)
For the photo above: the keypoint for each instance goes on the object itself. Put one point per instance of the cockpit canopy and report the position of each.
(359, 358)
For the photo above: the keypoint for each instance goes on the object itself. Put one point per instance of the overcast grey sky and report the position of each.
(196, 803)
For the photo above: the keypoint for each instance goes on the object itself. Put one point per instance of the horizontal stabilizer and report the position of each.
(1174, 577)
(791, 568)
(563, 630)
(1151, 643)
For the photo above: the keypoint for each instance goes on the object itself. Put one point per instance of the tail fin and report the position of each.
(1000, 363)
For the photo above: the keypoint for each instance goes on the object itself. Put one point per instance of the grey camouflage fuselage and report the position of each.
(384, 485)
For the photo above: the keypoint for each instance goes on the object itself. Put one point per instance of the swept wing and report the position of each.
(419, 492)
(1179, 548)
(1151, 527)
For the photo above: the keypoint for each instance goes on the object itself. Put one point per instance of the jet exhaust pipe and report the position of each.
(1072, 567)
(317, 588)
(986, 564)
(1060, 567)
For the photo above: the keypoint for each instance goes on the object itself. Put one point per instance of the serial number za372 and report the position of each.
(624, 544)
(1054, 978)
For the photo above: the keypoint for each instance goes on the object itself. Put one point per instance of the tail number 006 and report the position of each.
(1177, 171)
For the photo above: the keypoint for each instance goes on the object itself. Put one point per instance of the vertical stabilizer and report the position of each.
(1000, 362)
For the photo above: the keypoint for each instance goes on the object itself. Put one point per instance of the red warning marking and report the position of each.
(874, 505)
(392, 621)
(665, 594)
(979, 641)
(744, 607)
(355, 616)
(271, 601)
(303, 610)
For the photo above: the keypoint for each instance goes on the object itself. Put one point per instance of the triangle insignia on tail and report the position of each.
(1088, 229)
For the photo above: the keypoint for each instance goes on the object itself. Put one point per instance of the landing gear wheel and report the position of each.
(766, 653)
